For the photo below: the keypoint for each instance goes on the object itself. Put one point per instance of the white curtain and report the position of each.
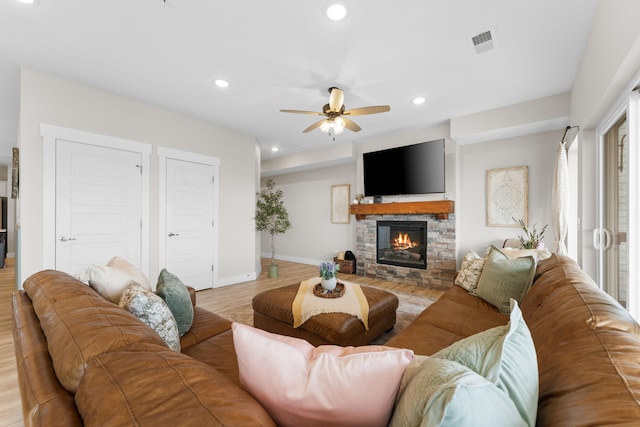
(560, 201)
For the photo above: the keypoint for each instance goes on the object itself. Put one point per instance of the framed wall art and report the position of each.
(507, 196)
(340, 203)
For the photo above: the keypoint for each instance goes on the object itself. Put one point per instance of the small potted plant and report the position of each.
(272, 217)
(533, 239)
(328, 270)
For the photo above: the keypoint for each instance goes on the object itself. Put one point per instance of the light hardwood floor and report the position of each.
(213, 299)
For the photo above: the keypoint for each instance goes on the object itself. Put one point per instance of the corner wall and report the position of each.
(538, 152)
(46, 99)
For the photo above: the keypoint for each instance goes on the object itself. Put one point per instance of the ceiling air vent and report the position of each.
(482, 42)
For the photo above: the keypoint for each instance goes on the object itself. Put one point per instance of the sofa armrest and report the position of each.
(192, 294)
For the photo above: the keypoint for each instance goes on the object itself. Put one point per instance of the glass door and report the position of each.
(613, 238)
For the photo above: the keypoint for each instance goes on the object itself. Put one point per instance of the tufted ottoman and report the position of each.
(272, 313)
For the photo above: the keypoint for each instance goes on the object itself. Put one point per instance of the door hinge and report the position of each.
(212, 223)
(213, 179)
(211, 267)
(140, 168)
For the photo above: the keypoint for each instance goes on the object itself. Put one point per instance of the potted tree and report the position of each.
(272, 217)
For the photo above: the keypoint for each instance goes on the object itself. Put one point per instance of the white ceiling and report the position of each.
(284, 54)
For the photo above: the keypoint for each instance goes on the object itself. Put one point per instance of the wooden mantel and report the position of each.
(442, 208)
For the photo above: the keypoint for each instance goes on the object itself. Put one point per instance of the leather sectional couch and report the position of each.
(116, 371)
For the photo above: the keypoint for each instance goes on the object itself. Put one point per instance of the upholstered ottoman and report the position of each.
(272, 312)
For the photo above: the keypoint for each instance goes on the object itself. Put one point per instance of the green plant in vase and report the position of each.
(532, 238)
(328, 271)
(272, 217)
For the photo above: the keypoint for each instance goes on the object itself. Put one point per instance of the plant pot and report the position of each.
(329, 284)
(273, 271)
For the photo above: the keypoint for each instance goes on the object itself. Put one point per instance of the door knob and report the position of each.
(66, 239)
(173, 234)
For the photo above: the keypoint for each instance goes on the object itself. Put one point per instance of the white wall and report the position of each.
(538, 152)
(313, 237)
(46, 99)
(610, 64)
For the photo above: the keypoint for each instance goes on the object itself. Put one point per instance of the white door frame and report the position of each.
(165, 153)
(50, 134)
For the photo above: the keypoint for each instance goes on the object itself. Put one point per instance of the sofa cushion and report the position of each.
(445, 393)
(112, 279)
(300, 384)
(505, 356)
(503, 278)
(168, 389)
(80, 324)
(470, 271)
(153, 311)
(171, 289)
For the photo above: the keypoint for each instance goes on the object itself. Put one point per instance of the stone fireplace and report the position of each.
(437, 269)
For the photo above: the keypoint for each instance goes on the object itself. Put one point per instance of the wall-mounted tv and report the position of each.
(412, 169)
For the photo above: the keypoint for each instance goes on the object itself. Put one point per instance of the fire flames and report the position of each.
(403, 241)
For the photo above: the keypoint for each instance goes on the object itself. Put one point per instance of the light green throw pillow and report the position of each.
(171, 289)
(446, 393)
(503, 278)
(505, 356)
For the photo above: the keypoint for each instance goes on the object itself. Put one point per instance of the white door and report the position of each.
(189, 222)
(98, 205)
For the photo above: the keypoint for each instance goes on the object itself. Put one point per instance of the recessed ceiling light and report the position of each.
(336, 12)
(221, 83)
(274, 149)
(419, 100)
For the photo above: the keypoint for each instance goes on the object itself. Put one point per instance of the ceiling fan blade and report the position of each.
(336, 98)
(315, 113)
(313, 126)
(351, 125)
(367, 110)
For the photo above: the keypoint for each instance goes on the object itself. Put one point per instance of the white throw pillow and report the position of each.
(112, 279)
(538, 254)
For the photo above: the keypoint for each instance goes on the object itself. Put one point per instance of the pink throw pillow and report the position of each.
(299, 384)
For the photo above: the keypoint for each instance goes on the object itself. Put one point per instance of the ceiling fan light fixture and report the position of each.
(326, 126)
(338, 125)
(336, 11)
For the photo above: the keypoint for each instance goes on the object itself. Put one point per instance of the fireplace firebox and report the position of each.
(402, 243)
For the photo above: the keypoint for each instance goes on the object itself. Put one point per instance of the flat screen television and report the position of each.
(412, 169)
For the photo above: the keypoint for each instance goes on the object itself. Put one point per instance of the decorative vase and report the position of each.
(273, 271)
(329, 284)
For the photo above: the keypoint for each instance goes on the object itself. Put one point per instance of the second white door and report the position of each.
(189, 222)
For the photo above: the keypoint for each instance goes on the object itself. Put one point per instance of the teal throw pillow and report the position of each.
(503, 278)
(448, 394)
(171, 289)
(505, 356)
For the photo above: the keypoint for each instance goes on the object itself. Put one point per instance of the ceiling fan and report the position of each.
(335, 111)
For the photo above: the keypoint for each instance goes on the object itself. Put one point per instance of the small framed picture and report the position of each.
(340, 203)
(507, 196)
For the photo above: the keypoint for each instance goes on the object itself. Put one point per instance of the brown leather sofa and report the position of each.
(588, 352)
(587, 345)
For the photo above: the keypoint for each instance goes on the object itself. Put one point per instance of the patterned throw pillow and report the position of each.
(171, 289)
(152, 310)
(470, 272)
